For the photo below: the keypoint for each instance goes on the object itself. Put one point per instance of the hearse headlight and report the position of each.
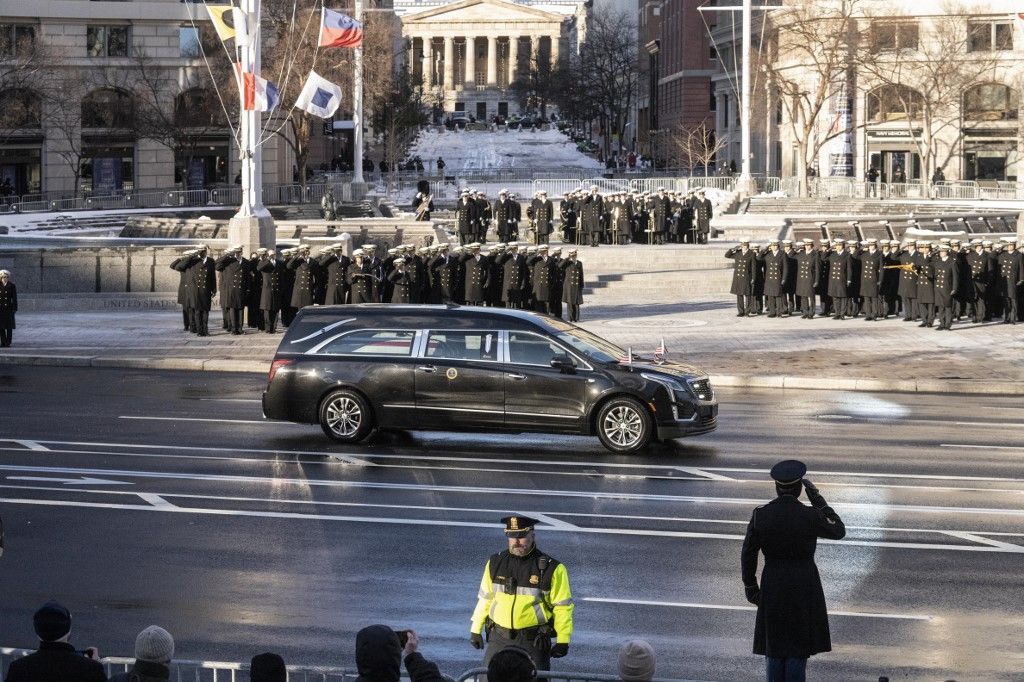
(671, 384)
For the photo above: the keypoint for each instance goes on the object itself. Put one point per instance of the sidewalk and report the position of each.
(888, 355)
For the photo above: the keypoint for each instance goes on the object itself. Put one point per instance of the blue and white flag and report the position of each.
(319, 96)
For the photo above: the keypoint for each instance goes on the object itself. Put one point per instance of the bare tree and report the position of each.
(607, 70)
(397, 115)
(22, 60)
(695, 146)
(923, 84)
(808, 60)
(62, 117)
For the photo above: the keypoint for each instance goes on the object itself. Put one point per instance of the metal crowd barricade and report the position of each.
(204, 671)
(557, 186)
(474, 674)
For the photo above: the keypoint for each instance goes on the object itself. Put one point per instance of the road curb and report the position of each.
(947, 386)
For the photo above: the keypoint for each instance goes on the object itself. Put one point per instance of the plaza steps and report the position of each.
(83, 225)
(653, 274)
(845, 206)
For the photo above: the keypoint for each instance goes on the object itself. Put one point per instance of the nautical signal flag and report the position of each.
(217, 12)
(339, 30)
(258, 94)
(319, 96)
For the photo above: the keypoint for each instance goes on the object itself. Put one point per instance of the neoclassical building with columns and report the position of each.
(465, 54)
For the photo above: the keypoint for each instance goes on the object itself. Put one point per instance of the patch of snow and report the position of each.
(465, 152)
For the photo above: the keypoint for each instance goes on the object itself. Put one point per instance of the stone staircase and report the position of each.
(654, 274)
(845, 206)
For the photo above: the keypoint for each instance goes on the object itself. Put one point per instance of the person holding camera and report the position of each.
(380, 652)
(792, 619)
(524, 599)
(56, 660)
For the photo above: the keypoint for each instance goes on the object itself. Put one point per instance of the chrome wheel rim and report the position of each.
(623, 426)
(344, 416)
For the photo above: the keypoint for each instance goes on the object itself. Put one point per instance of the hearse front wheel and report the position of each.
(624, 426)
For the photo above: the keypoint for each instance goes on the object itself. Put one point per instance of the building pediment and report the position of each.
(483, 11)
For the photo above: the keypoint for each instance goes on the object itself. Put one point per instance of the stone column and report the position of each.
(555, 50)
(513, 58)
(470, 62)
(428, 62)
(449, 63)
(492, 60)
(534, 50)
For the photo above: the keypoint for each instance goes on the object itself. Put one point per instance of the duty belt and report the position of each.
(529, 632)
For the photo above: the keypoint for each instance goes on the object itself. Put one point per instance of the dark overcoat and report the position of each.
(743, 273)
(233, 280)
(776, 269)
(807, 265)
(1010, 273)
(202, 283)
(476, 272)
(908, 277)
(870, 273)
(305, 281)
(792, 620)
(925, 280)
(839, 275)
(947, 280)
(572, 282)
(361, 282)
(8, 305)
(272, 289)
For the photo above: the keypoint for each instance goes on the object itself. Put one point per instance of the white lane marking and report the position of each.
(730, 607)
(264, 422)
(547, 517)
(231, 400)
(707, 471)
(693, 471)
(541, 492)
(84, 480)
(32, 445)
(936, 422)
(981, 447)
(974, 537)
(163, 505)
(995, 424)
(157, 501)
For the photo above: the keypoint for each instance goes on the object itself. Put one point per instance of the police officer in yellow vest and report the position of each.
(524, 599)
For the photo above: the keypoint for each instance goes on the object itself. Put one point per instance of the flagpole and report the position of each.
(252, 226)
(357, 105)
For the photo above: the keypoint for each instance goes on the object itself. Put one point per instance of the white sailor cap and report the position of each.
(975, 242)
(399, 261)
(5, 273)
(474, 245)
(503, 191)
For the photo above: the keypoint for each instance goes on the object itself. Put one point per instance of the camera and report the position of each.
(403, 637)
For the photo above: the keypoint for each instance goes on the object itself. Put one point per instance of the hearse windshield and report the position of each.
(590, 345)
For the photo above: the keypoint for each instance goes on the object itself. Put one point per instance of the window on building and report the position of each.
(16, 39)
(713, 102)
(893, 103)
(188, 42)
(988, 36)
(991, 102)
(108, 108)
(106, 41)
(19, 108)
(893, 36)
(712, 53)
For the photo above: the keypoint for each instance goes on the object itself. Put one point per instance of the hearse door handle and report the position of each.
(430, 369)
(517, 377)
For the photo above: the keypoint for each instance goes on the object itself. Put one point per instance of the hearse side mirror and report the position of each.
(563, 363)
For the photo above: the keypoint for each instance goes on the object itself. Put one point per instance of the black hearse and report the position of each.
(356, 368)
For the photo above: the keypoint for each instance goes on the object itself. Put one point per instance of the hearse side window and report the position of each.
(371, 342)
(529, 349)
(457, 345)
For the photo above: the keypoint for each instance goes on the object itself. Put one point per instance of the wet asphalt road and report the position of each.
(139, 497)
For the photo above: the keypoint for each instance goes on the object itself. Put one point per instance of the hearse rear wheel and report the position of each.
(345, 416)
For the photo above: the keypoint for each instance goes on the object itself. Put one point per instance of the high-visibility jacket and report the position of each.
(517, 593)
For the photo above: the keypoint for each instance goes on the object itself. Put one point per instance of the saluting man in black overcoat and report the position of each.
(792, 620)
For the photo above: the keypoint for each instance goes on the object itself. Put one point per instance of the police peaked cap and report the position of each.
(788, 471)
(518, 526)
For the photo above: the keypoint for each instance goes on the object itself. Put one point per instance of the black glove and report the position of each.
(753, 593)
(559, 650)
(815, 498)
(477, 640)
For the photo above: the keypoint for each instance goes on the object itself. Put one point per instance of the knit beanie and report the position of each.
(267, 668)
(51, 622)
(155, 645)
(636, 661)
